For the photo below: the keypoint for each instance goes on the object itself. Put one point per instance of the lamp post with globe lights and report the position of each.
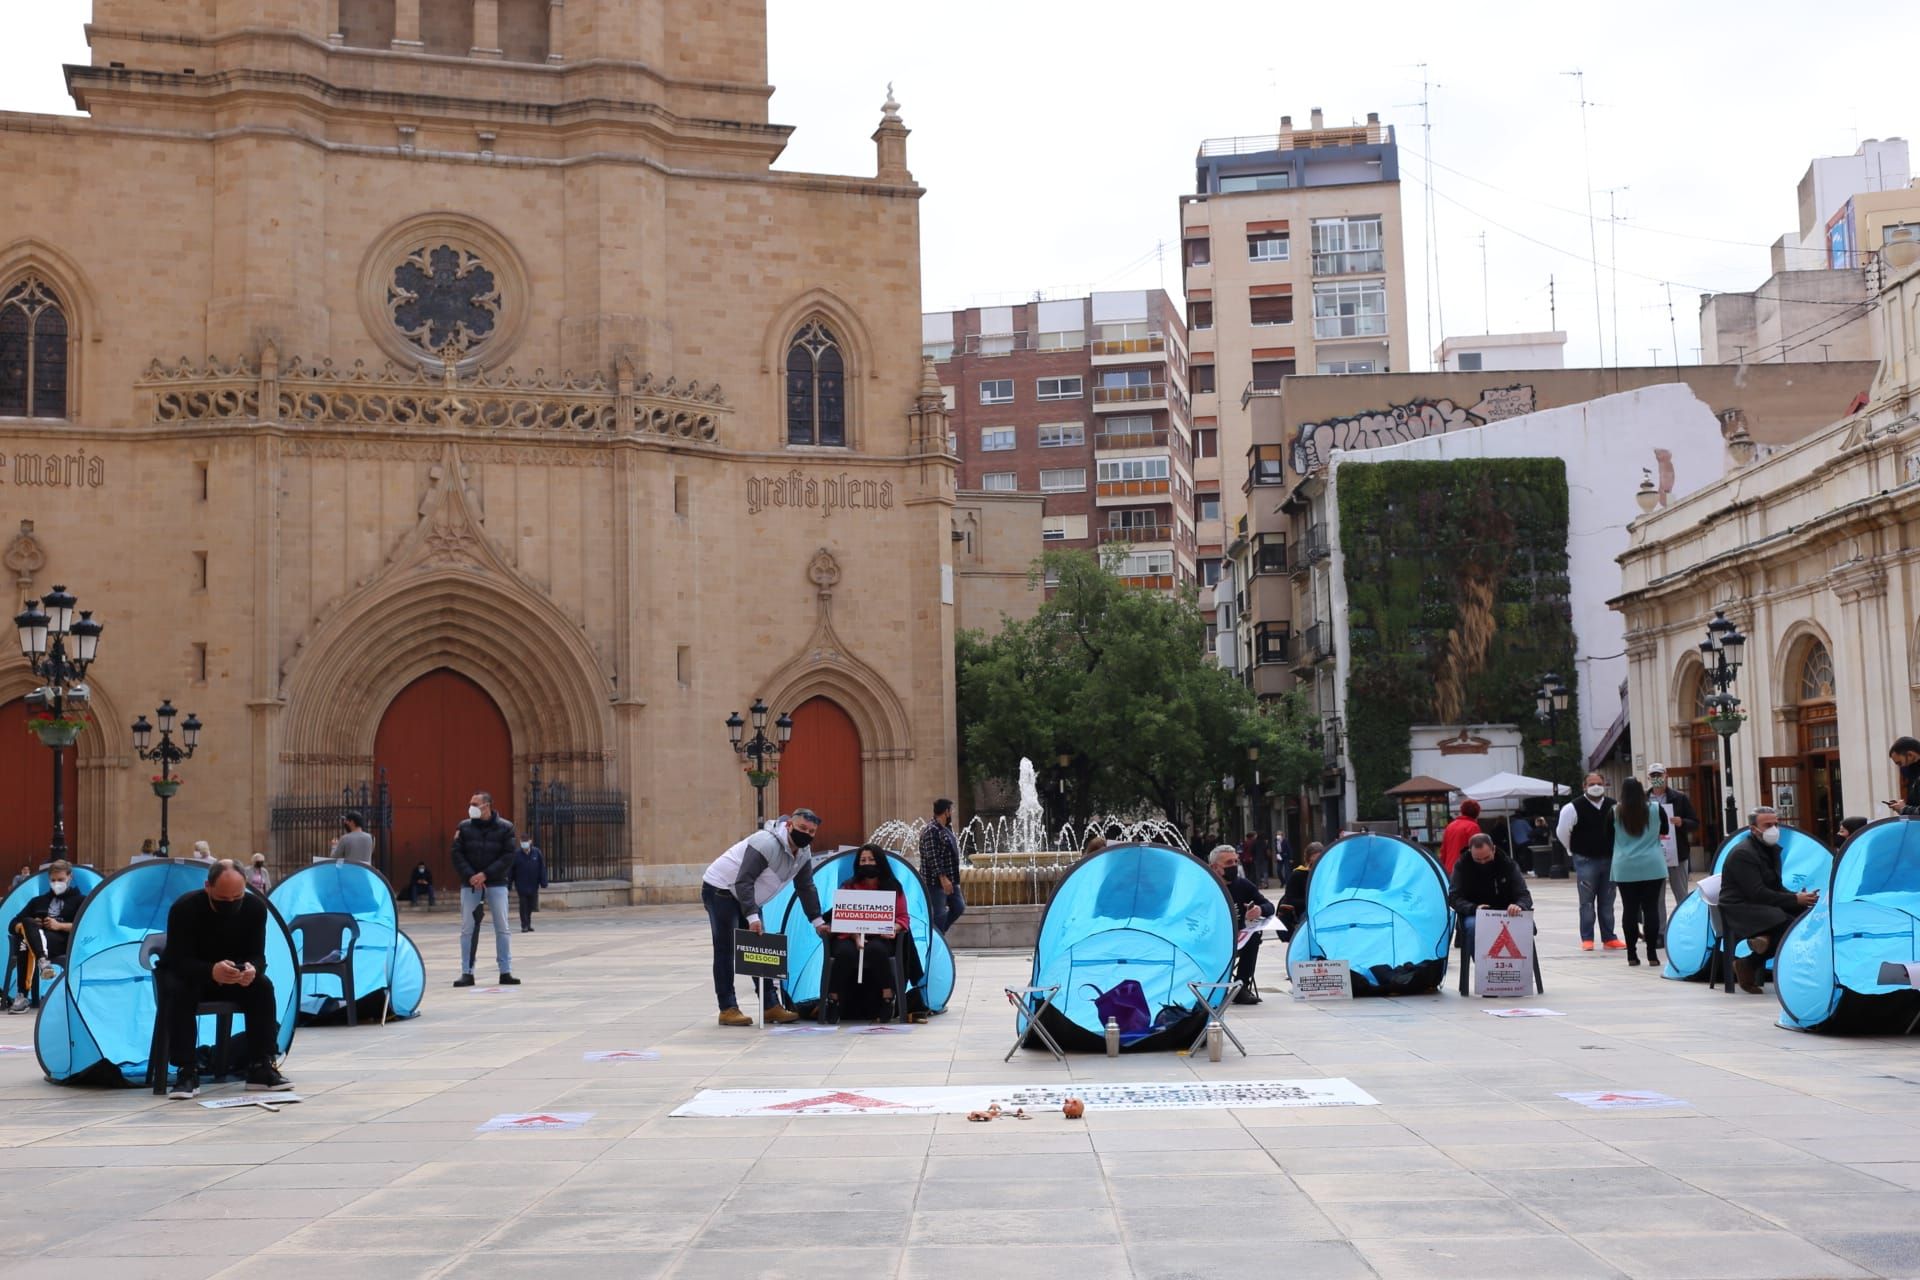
(1721, 654)
(1549, 704)
(165, 784)
(59, 645)
(760, 751)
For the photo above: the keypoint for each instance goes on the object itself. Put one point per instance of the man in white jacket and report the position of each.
(741, 881)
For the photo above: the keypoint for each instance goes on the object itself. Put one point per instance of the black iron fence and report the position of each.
(303, 827)
(582, 831)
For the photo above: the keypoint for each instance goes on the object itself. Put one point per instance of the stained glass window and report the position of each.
(33, 352)
(816, 388)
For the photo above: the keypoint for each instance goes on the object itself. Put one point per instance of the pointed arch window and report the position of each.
(816, 388)
(33, 352)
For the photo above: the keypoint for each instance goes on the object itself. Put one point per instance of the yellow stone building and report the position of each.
(449, 393)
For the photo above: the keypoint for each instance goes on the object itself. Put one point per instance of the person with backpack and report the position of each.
(1640, 829)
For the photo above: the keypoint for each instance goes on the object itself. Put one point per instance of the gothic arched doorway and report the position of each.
(821, 770)
(441, 739)
(26, 791)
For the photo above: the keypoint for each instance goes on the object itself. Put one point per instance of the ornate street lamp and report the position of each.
(1721, 654)
(58, 647)
(165, 784)
(1262, 818)
(1549, 704)
(759, 751)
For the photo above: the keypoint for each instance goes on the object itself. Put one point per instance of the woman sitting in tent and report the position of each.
(867, 989)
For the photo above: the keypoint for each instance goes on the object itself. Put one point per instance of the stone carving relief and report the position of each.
(24, 556)
(443, 299)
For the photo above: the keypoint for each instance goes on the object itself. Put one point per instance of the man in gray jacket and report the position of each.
(740, 882)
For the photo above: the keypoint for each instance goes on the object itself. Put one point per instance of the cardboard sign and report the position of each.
(1502, 953)
(6, 1049)
(271, 1101)
(831, 1100)
(803, 1029)
(1622, 1099)
(759, 955)
(621, 1055)
(863, 911)
(1522, 1013)
(548, 1121)
(1320, 979)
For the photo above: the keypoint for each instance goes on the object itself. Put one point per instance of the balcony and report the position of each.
(1124, 350)
(1130, 439)
(1269, 553)
(997, 344)
(1131, 492)
(1272, 643)
(1267, 465)
(1328, 328)
(1132, 395)
(1314, 647)
(1352, 262)
(1134, 534)
(1310, 549)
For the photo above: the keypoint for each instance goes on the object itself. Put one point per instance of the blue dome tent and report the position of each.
(387, 970)
(96, 1025)
(806, 950)
(1380, 904)
(1804, 864)
(1828, 972)
(26, 891)
(1138, 912)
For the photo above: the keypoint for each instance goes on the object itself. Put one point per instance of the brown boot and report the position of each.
(779, 1013)
(734, 1018)
(1745, 972)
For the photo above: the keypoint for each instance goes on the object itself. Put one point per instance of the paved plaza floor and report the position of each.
(1796, 1155)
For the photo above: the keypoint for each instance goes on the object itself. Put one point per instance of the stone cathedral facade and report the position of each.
(441, 395)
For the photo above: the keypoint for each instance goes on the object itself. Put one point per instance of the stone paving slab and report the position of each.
(1794, 1156)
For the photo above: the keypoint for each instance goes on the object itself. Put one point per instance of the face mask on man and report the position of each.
(1656, 783)
(473, 811)
(525, 845)
(227, 906)
(801, 839)
(1596, 792)
(58, 886)
(1232, 872)
(1770, 836)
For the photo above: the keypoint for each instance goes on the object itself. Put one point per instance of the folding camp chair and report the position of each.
(1466, 961)
(1720, 959)
(152, 948)
(894, 957)
(1228, 990)
(1026, 1017)
(324, 943)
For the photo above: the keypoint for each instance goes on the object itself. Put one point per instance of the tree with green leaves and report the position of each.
(1117, 678)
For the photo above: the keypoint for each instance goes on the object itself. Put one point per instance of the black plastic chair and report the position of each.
(1466, 961)
(324, 943)
(1720, 959)
(152, 949)
(895, 956)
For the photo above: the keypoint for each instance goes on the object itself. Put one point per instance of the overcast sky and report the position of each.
(1055, 137)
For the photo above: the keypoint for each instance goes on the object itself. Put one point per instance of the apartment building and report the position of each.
(1083, 401)
(1260, 309)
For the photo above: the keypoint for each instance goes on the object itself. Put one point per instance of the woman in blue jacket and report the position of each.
(1639, 867)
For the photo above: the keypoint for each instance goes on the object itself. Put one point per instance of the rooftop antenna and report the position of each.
(1613, 265)
(1673, 325)
(1593, 236)
(1430, 260)
(1553, 308)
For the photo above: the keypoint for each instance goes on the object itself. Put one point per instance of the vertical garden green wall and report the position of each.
(1457, 587)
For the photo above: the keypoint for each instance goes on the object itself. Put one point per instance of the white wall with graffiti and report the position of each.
(1662, 431)
(1314, 443)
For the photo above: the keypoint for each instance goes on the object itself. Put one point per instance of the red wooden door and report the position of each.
(441, 740)
(820, 770)
(26, 792)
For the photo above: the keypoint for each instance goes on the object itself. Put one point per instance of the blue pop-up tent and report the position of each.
(1804, 864)
(806, 950)
(387, 970)
(1828, 972)
(1133, 911)
(1380, 904)
(96, 1024)
(86, 878)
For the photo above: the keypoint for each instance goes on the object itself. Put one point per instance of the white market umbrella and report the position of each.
(1511, 786)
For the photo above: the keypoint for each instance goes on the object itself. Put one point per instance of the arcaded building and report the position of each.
(441, 395)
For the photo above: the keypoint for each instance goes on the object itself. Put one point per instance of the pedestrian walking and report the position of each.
(483, 850)
(1586, 829)
(940, 867)
(1639, 867)
(741, 881)
(529, 878)
(1682, 822)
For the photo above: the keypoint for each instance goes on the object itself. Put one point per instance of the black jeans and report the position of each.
(529, 903)
(183, 996)
(1248, 957)
(1640, 907)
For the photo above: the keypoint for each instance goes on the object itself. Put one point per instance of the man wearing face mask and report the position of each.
(1586, 829)
(1754, 902)
(1250, 907)
(739, 882)
(1905, 754)
(940, 867)
(217, 950)
(529, 878)
(355, 842)
(483, 853)
(43, 928)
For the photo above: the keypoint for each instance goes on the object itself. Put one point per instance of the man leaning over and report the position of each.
(739, 882)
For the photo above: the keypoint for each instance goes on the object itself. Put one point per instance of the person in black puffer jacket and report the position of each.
(483, 851)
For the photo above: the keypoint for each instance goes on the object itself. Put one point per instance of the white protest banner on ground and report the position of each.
(961, 1099)
(271, 1101)
(1320, 979)
(1621, 1099)
(803, 1029)
(880, 1029)
(6, 1049)
(863, 911)
(1502, 953)
(524, 1122)
(621, 1055)
(1522, 1013)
